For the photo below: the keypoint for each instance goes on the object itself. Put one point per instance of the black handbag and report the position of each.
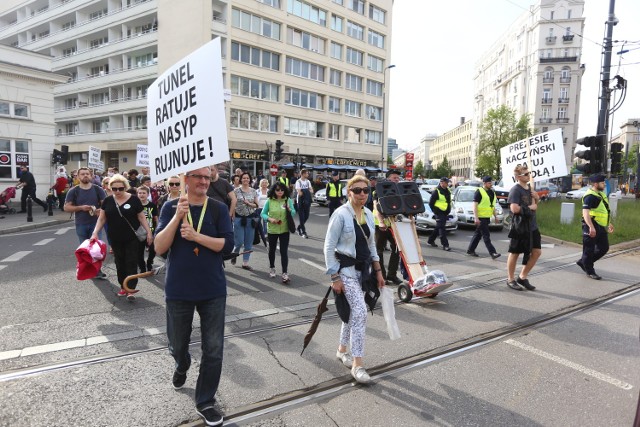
(290, 222)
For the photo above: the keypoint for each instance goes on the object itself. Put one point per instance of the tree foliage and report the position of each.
(499, 128)
(418, 168)
(443, 169)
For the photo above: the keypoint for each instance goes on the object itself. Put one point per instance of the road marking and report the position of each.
(595, 374)
(16, 257)
(313, 264)
(64, 230)
(322, 214)
(43, 242)
(544, 245)
(2, 266)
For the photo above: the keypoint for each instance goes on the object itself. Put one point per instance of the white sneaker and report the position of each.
(272, 273)
(360, 375)
(285, 278)
(345, 357)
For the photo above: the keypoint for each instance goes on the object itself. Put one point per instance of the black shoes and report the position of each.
(210, 416)
(432, 244)
(446, 248)
(178, 380)
(514, 285)
(395, 280)
(495, 255)
(525, 283)
(594, 276)
(581, 265)
(473, 254)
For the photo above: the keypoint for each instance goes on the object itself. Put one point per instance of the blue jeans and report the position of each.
(84, 231)
(179, 320)
(243, 236)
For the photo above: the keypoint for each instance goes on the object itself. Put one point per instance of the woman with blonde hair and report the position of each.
(353, 263)
(122, 212)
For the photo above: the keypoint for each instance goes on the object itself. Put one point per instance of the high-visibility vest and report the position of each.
(600, 214)
(441, 203)
(335, 189)
(486, 205)
(285, 181)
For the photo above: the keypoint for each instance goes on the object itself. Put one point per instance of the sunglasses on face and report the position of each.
(358, 190)
(196, 176)
(525, 174)
(174, 184)
(117, 188)
(279, 189)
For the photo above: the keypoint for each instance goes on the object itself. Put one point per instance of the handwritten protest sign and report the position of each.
(547, 157)
(94, 158)
(142, 155)
(187, 128)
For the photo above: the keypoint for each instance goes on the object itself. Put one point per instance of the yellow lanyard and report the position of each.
(190, 220)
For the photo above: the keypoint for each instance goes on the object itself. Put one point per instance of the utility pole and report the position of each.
(605, 92)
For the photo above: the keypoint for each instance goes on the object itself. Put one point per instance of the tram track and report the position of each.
(21, 373)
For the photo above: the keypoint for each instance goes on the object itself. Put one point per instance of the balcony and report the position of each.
(86, 110)
(114, 77)
(551, 40)
(547, 80)
(558, 59)
(547, 100)
(567, 38)
(565, 79)
(562, 120)
(109, 136)
(563, 100)
(546, 120)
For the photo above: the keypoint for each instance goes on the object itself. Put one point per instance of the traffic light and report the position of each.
(279, 150)
(590, 149)
(616, 158)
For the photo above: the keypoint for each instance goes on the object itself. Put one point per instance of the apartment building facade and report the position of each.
(535, 68)
(457, 146)
(309, 73)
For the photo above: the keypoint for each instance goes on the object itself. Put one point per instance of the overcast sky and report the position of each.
(435, 47)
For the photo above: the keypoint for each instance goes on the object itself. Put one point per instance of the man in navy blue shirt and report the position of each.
(195, 281)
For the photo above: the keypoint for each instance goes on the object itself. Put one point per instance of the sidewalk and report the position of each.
(13, 223)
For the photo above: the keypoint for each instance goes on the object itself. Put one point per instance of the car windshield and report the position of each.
(425, 195)
(432, 182)
(465, 196)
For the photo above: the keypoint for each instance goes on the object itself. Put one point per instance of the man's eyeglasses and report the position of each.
(196, 176)
(525, 174)
(359, 190)
(174, 184)
(117, 188)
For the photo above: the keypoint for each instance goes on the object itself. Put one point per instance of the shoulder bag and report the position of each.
(290, 222)
(141, 233)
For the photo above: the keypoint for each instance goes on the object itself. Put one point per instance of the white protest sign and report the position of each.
(100, 166)
(547, 157)
(186, 123)
(94, 157)
(142, 156)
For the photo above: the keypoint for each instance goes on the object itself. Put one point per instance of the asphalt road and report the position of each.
(578, 371)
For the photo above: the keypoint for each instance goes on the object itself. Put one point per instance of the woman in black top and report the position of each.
(122, 211)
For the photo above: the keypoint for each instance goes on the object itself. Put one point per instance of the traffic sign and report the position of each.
(273, 169)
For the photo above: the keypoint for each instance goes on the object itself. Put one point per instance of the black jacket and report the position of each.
(435, 197)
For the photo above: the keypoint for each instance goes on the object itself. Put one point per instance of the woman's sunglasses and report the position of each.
(359, 190)
(174, 184)
(117, 188)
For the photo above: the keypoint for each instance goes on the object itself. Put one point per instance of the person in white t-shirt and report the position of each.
(304, 191)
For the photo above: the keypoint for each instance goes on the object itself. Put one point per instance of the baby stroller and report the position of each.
(5, 198)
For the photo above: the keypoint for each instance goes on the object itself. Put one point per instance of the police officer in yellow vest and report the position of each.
(595, 226)
(440, 204)
(334, 192)
(484, 209)
(283, 178)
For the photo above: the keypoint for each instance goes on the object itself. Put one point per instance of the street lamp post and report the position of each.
(384, 111)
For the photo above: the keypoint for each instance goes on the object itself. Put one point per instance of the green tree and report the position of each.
(418, 168)
(444, 169)
(499, 128)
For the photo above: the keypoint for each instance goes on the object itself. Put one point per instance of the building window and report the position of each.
(335, 77)
(376, 39)
(375, 64)
(353, 82)
(306, 11)
(372, 137)
(304, 69)
(374, 113)
(303, 128)
(13, 153)
(252, 88)
(562, 112)
(334, 104)
(141, 121)
(356, 5)
(272, 3)
(352, 134)
(374, 87)
(255, 56)
(98, 42)
(340, 2)
(336, 51)
(377, 14)
(249, 120)
(71, 128)
(255, 24)
(568, 13)
(305, 40)
(100, 126)
(333, 132)
(68, 25)
(354, 30)
(546, 113)
(98, 14)
(303, 98)
(14, 110)
(354, 56)
(546, 95)
(69, 51)
(336, 23)
(352, 108)
(564, 93)
(5, 108)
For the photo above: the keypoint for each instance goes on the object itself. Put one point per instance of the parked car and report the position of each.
(577, 194)
(320, 196)
(430, 184)
(502, 195)
(547, 192)
(462, 207)
(426, 221)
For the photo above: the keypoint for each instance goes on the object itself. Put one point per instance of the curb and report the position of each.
(33, 226)
(617, 247)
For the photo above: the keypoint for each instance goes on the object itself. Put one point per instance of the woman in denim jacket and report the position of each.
(349, 240)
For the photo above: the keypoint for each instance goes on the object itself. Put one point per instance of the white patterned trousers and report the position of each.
(354, 332)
